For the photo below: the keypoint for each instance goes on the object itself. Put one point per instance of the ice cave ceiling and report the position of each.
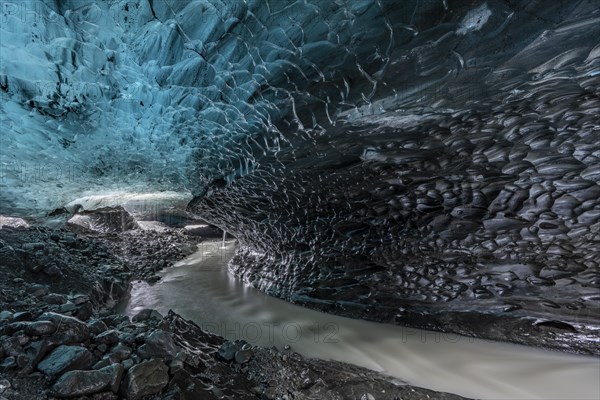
(418, 161)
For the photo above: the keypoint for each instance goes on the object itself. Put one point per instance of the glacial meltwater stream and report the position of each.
(199, 288)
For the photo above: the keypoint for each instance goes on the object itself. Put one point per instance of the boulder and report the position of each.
(227, 351)
(35, 352)
(8, 363)
(54, 298)
(159, 344)
(146, 378)
(97, 326)
(22, 316)
(67, 307)
(69, 329)
(35, 328)
(40, 328)
(83, 383)
(38, 290)
(65, 358)
(243, 356)
(108, 337)
(84, 311)
(6, 316)
(146, 314)
(121, 352)
(52, 270)
(80, 299)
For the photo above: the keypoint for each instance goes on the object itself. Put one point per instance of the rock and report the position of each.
(158, 344)
(146, 314)
(8, 363)
(116, 372)
(38, 290)
(5, 316)
(83, 383)
(68, 307)
(146, 378)
(114, 320)
(4, 384)
(127, 363)
(35, 353)
(153, 279)
(105, 362)
(80, 299)
(243, 356)
(69, 330)
(121, 352)
(54, 298)
(33, 246)
(367, 396)
(84, 311)
(227, 351)
(108, 337)
(52, 270)
(37, 268)
(127, 337)
(22, 316)
(175, 366)
(39, 328)
(22, 361)
(97, 326)
(66, 358)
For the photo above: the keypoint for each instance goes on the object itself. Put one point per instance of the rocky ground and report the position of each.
(62, 338)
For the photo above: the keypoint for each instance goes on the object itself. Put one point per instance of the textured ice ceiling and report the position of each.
(415, 161)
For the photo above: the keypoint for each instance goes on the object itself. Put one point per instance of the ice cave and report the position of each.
(300, 199)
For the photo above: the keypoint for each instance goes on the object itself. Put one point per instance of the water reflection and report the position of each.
(200, 288)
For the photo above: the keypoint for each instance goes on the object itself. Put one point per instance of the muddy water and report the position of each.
(200, 288)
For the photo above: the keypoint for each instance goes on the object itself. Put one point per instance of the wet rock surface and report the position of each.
(49, 351)
(65, 358)
(146, 378)
(81, 383)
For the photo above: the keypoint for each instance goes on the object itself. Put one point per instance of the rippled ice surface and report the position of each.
(201, 289)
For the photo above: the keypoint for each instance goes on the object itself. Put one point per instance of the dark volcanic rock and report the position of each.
(66, 358)
(82, 383)
(243, 356)
(107, 337)
(97, 326)
(35, 352)
(54, 298)
(121, 352)
(8, 363)
(69, 329)
(35, 328)
(146, 378)
(146, 314)
(158, 344)
(227, 351)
